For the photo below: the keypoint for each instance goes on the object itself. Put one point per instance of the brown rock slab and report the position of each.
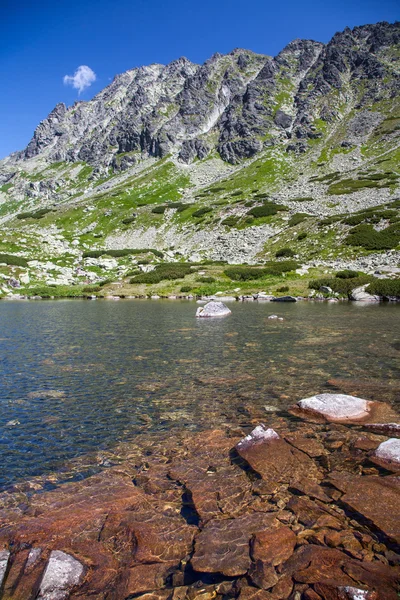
(217, 488)
(317, 566)
(273, 546)
(253, 593)
(311, 489)
(311, 446)
(392, 429)
(312, 514)
(146, 578)
(377, 499)
(222, 546)
(277, 461)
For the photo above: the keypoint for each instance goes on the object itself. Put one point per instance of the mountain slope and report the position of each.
(231, 160)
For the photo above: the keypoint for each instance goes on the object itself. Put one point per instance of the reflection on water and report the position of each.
(80, 376)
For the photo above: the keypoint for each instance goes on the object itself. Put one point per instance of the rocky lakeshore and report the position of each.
(304, 506)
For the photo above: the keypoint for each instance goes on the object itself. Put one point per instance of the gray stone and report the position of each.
(63, 572)
(360, 295)
(284, 299)
(213, 309)
(4, 558)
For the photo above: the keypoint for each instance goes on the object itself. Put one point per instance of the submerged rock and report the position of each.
(213, 309)
(258, 435)
(341, 408)
(389, 451)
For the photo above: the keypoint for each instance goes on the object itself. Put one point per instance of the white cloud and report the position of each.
(83, 78)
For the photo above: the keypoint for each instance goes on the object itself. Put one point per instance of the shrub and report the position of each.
(366, 236)
(129, 220)
(285, 252)
(346, 274)
(266, 210)
(202, 211)
(205, 279)
(385, 287)
(230, 221)
(186, 288)
(302, 236)
(240, 273)
(329, 220)
(36, 214)
(162, 272)
(159, 210)
(297, 218)
(237, 193)
(283, 288)
(175, 205)
(11, 259)
(342, 286)
(120, 253)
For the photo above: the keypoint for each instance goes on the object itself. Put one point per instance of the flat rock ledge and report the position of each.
(286, 510)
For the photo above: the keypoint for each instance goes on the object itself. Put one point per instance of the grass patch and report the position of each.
(36, 214)
(201, 212)
(11, 259)
(122, 252)
(297, 218)
(266, 210)
(271, 268)
(285, 253)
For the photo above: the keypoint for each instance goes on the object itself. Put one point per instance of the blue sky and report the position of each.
(41, 41)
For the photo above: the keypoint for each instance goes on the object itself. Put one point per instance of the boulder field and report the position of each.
(299, 508)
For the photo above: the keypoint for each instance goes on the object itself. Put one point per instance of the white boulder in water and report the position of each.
(213, 309)
(259, 434)
(389, 450)
(336, 406)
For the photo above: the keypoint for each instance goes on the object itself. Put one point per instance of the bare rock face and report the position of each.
(213, 309)
(341, 408)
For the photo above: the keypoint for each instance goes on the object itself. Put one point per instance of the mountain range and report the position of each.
(242, 159)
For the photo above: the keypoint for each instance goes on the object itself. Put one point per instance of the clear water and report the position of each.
(79, 376)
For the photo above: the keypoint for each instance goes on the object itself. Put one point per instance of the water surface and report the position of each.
(80, 376)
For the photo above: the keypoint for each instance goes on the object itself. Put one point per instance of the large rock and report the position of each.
(223, 545)
(360, 295)
(213, 309)
(284, 299)
(387, 454)
(377, 499)
(341, 408)
(62, 574)
(275, 460)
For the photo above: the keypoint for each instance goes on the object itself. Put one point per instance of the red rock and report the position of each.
(278, 462)
(273, 546)
(365, 443)
(223, 545)
(377, 499)
(262, 575)
(252, 593)
(311, 489)
(217, 488)
(312, 514)
(146, 578)
(311, 446)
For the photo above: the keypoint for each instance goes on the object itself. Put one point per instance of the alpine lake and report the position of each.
(81, 379)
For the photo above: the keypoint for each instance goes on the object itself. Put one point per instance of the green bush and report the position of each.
(302, 236)
(342, 286)
(240, 273)
(159, 210)
(120, 253)
(129, 220)
(184, 207)
(205, 279)
(285, 252)
(11, 259)
(266, 210)
(230, 221)
(385, 287)
(330, 220)
(346, 274)
(186, 288)
(36, 214)
(167, 271)
(297, 218)
(202, 211)
(367, 237)
(283, 288)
